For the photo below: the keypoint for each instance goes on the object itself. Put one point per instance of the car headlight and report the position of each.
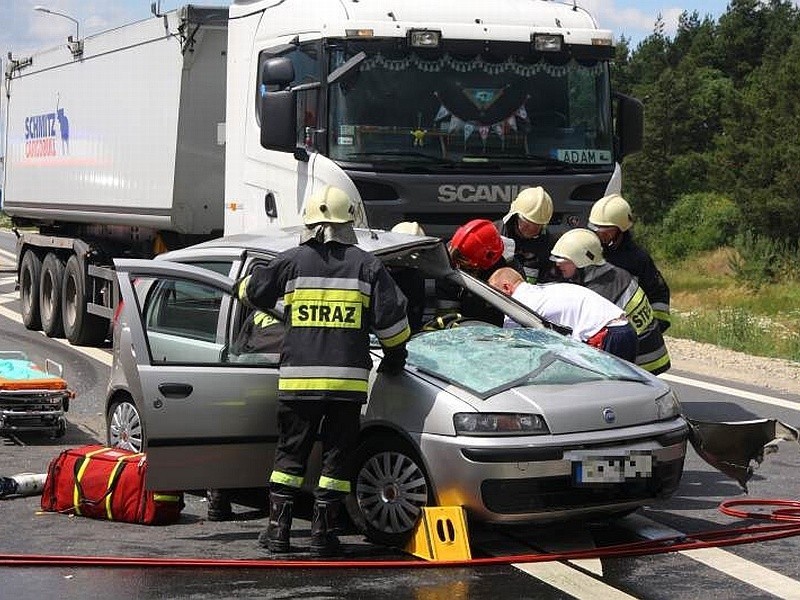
(499, 424)
(668, 406)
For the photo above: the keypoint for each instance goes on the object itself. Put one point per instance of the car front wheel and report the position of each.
(391, 487)
(124, 426)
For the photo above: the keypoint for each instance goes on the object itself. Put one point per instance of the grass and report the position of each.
(5, 220)
(709, 305)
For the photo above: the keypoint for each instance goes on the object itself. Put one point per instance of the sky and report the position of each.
(22, 29)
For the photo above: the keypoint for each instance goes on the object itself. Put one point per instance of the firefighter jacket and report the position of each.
(630, 256)
(531, 254)
(334, 295)
(624, 290)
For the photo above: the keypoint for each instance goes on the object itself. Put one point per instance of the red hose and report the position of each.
(789, 511)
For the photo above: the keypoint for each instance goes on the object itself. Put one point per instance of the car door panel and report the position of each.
(208, 422)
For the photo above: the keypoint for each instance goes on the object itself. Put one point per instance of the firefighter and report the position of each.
(477, 248)
(578, 255)
(334, 294)
(411, 281)
(526, 224)
(611, 219)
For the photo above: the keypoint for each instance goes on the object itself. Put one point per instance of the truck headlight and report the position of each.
(668, 406)
(499, 424)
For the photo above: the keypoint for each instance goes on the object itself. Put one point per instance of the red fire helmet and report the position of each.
(477, 244)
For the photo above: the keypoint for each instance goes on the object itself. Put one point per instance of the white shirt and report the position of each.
(586, 312)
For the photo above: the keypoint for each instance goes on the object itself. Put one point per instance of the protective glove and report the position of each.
(394, 359)
(239, 289)
(663, 325)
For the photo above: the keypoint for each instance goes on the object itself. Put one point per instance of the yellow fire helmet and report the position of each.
(533, 204)
(328, 205)
(411, 227)
(581, 246)
(611, 211)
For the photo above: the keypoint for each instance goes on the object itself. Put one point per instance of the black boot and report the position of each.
(276, 536)
(323, 524)
(219, 505)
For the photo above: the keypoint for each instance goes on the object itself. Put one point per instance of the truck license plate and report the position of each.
(612, 469)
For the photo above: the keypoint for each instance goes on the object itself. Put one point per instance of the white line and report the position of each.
(723, 561)
(713, 387)
(560, 575)
(572, 582)
(98, 354)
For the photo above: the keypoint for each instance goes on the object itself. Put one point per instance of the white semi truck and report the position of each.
(207, 120)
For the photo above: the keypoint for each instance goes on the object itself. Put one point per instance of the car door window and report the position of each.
(181, 321)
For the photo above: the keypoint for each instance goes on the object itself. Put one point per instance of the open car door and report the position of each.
(209, 418)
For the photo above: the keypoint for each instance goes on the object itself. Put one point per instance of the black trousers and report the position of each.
(299, 422)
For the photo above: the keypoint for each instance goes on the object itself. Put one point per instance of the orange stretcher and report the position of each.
(32, 399)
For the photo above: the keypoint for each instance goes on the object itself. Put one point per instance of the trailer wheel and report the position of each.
(30, 271)
(50, 295)
(80, 327)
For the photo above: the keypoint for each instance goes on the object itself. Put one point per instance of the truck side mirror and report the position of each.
(278, 109)
(630, 124)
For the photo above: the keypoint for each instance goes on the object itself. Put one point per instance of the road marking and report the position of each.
(98, 354)
(720, 560)
(574, 583)
(573, 580)
(722, 389)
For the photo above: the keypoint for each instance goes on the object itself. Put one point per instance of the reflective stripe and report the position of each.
(242, 290)
(330, 283)
(166, 498)
(393, 331)
(323, 385)
(317, 372)
(337, 485)
(286, 479)
(321, 307)
(398, 339)
(111, 477)
(654, 365)
(639, 310)
(264, 320)
(327, 295)
(76, 492)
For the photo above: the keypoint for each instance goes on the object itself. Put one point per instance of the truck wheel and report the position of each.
(80, 327)
(50, 295)
(30, 271)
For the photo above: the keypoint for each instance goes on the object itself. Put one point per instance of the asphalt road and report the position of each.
(764, 570)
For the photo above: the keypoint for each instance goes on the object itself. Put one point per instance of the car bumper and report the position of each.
(531, 479)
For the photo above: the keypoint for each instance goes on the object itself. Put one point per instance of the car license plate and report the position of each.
(589, 469)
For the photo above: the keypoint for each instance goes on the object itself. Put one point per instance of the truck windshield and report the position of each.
(520, 109)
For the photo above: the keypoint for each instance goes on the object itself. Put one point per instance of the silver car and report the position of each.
(516, 425)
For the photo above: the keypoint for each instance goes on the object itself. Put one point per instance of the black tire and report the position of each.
(383, 506)
(30, 273)
(50, 295)
(124, 426)
(80, 327)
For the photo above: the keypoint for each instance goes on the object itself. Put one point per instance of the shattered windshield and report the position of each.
(487, 360)
(516, 109)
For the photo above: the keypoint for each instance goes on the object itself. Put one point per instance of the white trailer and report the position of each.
(204, 120)
(115, 150)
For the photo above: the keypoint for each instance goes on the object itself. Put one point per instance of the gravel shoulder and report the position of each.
(713, 361)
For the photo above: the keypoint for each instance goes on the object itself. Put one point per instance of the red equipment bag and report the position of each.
(107, 483)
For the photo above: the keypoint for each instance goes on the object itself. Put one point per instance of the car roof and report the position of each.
(274, 241)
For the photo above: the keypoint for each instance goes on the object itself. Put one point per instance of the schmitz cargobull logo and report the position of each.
(47, 134)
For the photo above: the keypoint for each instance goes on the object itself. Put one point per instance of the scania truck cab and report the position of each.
(428, 112)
